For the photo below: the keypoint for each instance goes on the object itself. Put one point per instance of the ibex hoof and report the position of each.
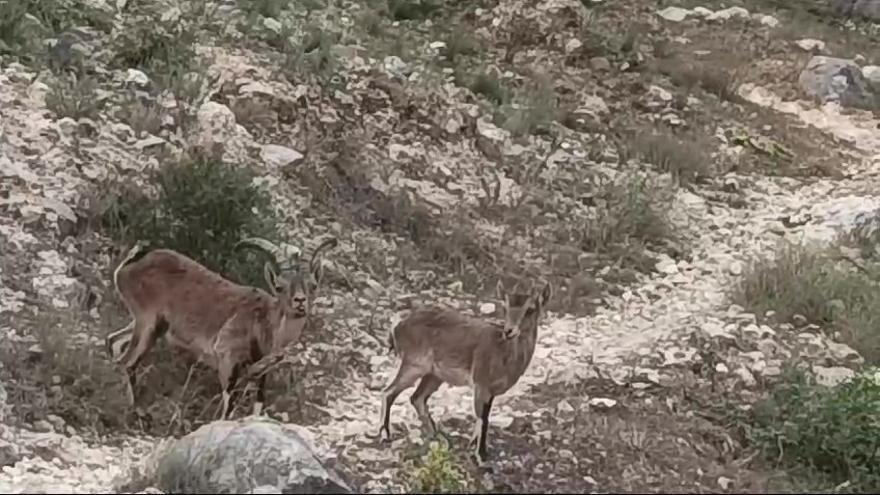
(383, 436)
(481, 459)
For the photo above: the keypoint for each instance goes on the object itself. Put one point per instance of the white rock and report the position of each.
(593, 106)
(725, 483)
(136, 77)
(667, 265)
(831, 376)
(396, 66)
(810, 45)
(843, 353)
(572, 45)
(745, 375)
(767, 20)
(872, 74)
(602, 402)
(278, 156)
(674, 14)
(273, 25)
(487, 308)
(728, 13)
(564, 407)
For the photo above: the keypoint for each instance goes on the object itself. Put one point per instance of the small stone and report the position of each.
(674, 14)
(42, 425)
(810, 45)
(572, 45)
(831, 376)
(721, 368)
(264, 490)
(487, 308)
(667, 265)
(725, 483)
(735, 268)
(728, 13)
(279, 156)
(56, 422)
(602, 402)
(564, 407)
(600, 64)
(746, 376)
(150, 143)
(136, 77)
(273, 25)
(767, 20)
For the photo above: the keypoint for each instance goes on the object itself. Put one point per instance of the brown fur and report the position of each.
(223, 324)
(439, 345)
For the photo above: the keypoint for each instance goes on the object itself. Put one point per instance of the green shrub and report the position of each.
(202, 208)
(23, 23)
(151, 39)
(631, 214)
(437, 471)
(833, 432)
(531, 110)
(815, 285)
(683, 158)
(74, 96)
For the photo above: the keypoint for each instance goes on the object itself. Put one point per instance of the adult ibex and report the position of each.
(221, 323)
(440, 345)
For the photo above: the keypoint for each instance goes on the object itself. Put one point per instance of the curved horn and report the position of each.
(263, 245)
(327, 244)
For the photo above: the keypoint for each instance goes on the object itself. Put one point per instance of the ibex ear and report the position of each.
(500, 292)
(317, 272)
(545, 295)
(271, 278)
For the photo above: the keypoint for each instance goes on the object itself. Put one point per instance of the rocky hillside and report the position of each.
(696, 181)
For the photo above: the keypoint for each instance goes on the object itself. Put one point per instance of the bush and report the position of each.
(830, 431)
(532, 109)
(631, 214)
(74, 96)
(202, 208)
(817, 286)
(684, 159)
(23, 23)
(437, 471)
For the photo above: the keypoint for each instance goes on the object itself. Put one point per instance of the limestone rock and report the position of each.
(214, 457)
(837, 79)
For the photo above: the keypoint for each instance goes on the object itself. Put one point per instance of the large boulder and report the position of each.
(837, 79)
(241, 456)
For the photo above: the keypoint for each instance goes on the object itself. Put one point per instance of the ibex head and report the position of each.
(519, 306)
(289, 280)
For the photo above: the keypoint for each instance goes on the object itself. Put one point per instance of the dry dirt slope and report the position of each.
(620, 153)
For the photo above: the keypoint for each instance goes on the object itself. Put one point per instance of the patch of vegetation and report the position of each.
(631, 215)
(489, 86)
(406, 10)
(23, 23)
(202, 207)
(531, 110)
(685, 159)
(74, 96)
(829, 434)
(437, 471)
(142, 116)
(710, 78)
(312, 59)
(818, 286)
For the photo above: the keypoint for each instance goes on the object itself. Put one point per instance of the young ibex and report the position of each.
(440, 345)
(223, 324)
